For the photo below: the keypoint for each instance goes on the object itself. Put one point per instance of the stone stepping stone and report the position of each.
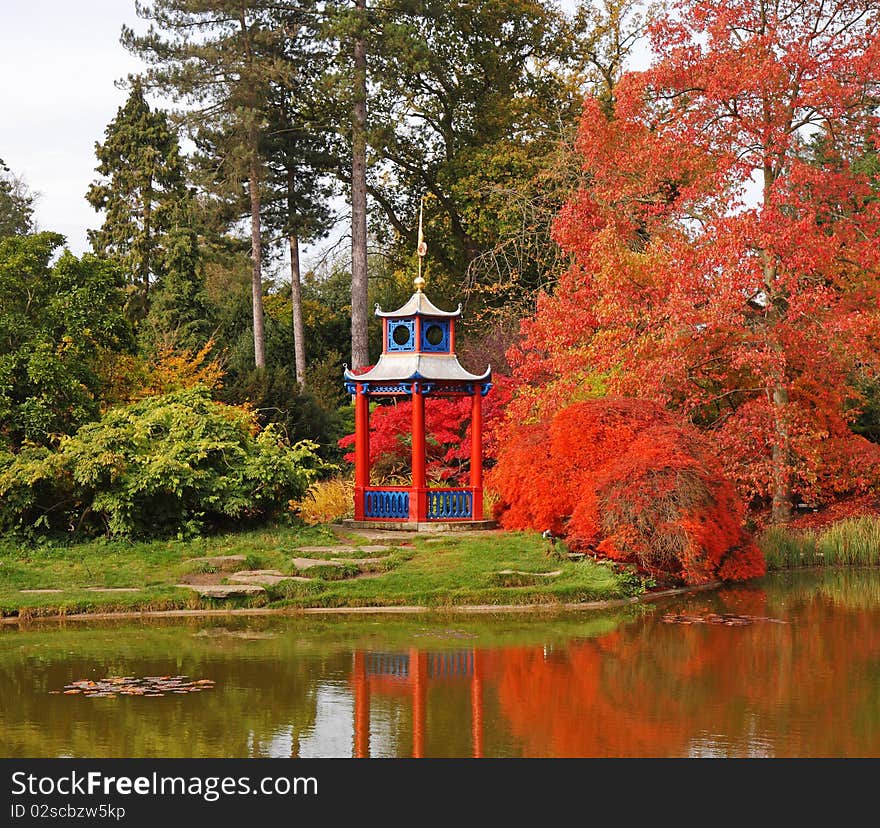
(263, 577)
(309, 563)
(40, 591)
(552, 574)
(327, 549)
(361, 550)
(358, 561)
(112, 589)
(224, 590)
(225, 563)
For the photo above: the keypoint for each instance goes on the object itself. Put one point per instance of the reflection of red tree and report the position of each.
(652, 689)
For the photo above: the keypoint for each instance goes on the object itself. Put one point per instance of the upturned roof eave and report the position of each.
(418, 305)
(448, 370)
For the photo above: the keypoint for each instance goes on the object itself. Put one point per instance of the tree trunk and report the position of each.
(299, 337)
(781, 508)
(360, 355)
(257, 270)
(148, 251)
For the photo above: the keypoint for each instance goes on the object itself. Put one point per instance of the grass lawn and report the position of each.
(440, 571)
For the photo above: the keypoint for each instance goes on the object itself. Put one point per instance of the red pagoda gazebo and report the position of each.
(418, 360)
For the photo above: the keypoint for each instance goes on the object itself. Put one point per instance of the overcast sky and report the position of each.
(59, 60)
(59, 63)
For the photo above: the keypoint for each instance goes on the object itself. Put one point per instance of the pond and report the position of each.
(787, 667)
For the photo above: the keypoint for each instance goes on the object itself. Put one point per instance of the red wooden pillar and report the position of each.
(418, 667)
(361, 709)
(477, 707)
(477, 452)
(418, 498)
(361, 450)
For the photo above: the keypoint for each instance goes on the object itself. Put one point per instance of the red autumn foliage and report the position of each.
(447, 430)
(727, 245)
(618, 477)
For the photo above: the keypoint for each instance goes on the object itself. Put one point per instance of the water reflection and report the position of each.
(409, 675)
(800, 677)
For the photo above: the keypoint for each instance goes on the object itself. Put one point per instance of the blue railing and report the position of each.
(450, 504)
(380, 503)
(460, 663)
(387, 664)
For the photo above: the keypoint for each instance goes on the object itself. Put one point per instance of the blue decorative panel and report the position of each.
(435, 336)
(386, 504)
(397, 388)
(450, 504)
(401, 335)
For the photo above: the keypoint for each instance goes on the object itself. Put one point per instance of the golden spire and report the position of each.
(422, 249)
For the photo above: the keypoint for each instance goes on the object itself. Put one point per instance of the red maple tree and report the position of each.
(726, 245)
(619, 478)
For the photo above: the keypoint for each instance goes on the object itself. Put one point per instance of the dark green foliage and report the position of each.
(180, 315)
(58, 322)
(278, 400)
(143, 195)
(459, 110)
(16, 204)
(173, 464)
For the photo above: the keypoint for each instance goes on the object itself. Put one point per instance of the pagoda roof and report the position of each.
(402, 367)
(418, 305)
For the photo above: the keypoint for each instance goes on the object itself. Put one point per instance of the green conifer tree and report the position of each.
(141, 189)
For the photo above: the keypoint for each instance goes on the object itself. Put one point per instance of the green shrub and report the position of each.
(173, 464)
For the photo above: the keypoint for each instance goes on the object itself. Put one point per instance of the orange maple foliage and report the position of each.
(620, 478)
(727, 244)
(133, 378)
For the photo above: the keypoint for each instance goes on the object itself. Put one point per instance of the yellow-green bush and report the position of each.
(178, 463)
(326, 501)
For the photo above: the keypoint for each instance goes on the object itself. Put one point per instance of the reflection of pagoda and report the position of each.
(411, 673)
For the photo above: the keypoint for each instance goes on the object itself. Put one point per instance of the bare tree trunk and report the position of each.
(780, 510)
(781, 507)
(360, 355)
(147, 253)
(257, 271)
(299, 337)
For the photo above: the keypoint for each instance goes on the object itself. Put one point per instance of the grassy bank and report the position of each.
(849, 542)
(446, 570)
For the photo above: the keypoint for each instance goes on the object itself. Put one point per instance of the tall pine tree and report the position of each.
(220, 59)
(141, 189)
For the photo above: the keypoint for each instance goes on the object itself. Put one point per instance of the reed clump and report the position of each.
(850, 542)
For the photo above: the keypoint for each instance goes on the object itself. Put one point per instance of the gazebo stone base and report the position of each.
(426, 527)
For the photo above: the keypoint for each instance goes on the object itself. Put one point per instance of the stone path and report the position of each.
(358, 561)
(263, 577)
(310, 563)
(224, 590)
(112, 589)
(552, 574)
(345, 550)
(225, 563)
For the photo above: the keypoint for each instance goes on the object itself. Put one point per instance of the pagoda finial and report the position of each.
(421, 249)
